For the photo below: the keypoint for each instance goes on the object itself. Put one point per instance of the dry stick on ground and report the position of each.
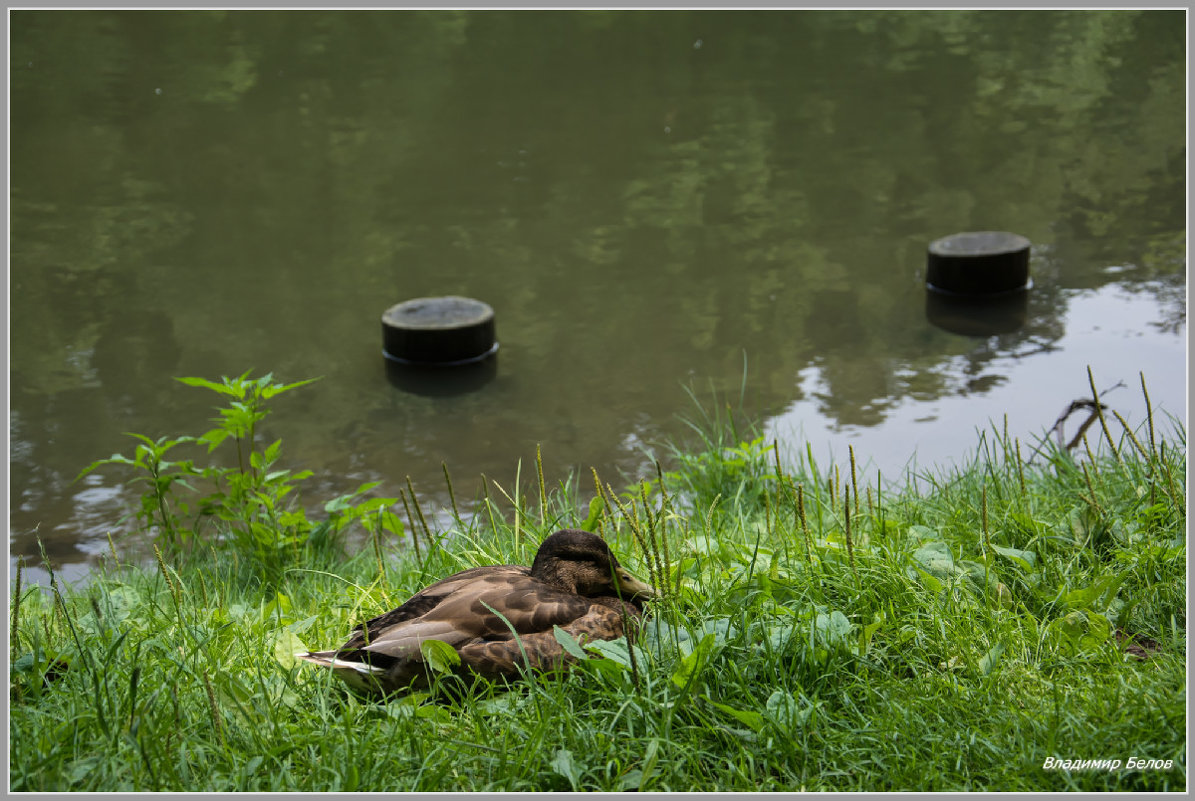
(1074, 406)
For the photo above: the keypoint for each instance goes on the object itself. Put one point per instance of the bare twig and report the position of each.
(1096, 413)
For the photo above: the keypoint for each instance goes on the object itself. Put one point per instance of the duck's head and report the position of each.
(579, 562)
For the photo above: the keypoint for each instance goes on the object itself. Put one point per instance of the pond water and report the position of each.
(656, 205)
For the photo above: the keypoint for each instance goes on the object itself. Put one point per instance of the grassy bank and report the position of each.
(971, 631)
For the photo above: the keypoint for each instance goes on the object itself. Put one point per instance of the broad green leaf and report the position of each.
(233, 689)
(597, 508)
(935, 557)
(278, 389)
(932, 583)
(1004, 595)
(339, 504)
(631, 780)
(834, 628)
(752, 720)
(786, 711)
(1082, 630)
(692, 664)
(923, 533)
(439, 655)
(1025, 559)
(1097, 596)
(866, 635)
(299, 626)
(374, 504)
(613, 652)
(406, 706)
(563, 764)
(149, 442)
(979, 574)
(434, 713)
(118, 601)
(80, 769)
(992, 658)
(568, 643)
(195, 381)
(280, 607)
(286, 645)
(213, 438)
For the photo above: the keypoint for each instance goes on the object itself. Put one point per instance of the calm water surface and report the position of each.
(649, 201)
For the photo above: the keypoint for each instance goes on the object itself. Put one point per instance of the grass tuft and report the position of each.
(963, 633)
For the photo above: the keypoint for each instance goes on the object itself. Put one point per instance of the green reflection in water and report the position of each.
(644, 197)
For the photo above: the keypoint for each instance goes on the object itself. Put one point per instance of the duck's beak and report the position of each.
(632, 587)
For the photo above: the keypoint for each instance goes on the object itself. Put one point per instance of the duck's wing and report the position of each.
(490, 607)
(541, 650)
(427, 599)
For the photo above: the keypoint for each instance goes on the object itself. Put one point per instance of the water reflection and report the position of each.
(640, 212)
(436, 381)
(1022, 386)
(981, 316)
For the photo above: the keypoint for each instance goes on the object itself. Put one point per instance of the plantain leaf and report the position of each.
(569, 644)
(692, 664)
(992, 658)
(286, 646)
(563, 764)
(1025, 559)
(439, 655)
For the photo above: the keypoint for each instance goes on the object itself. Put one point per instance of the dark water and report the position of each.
(649, 201)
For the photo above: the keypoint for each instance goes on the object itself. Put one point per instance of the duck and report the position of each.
(499, 619)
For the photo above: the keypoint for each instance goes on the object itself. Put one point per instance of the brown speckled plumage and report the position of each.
(571, 584)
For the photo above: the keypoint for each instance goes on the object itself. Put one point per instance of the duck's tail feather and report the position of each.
(328, 659)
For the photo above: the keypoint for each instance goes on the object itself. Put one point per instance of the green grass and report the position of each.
(969, 628)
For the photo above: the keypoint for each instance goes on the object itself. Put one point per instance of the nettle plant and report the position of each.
(252, 506)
